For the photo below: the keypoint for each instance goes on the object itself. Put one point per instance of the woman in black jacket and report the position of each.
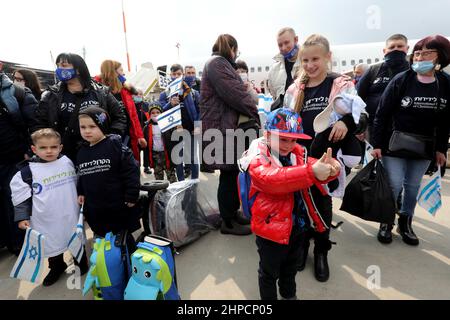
(411, 127)
(225, 106)
(60, 104)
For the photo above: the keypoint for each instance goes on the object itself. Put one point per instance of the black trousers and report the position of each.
(57, 262)
(10, 235)
(227, 195)
(325, 207)
(278, 262)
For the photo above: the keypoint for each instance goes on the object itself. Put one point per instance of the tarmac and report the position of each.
(224, 267)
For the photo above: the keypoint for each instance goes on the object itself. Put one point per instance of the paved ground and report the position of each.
(225, 267)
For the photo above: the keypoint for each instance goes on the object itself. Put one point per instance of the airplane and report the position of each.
(344, 58)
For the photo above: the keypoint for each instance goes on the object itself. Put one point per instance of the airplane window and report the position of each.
(353, 62)
(267, 68)
(334, 63)
(259, 69)
(361, 60)
(252, 69)
(344, 63)
(369, 61)
(377, 60)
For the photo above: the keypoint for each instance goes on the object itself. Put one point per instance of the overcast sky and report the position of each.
(33, 28)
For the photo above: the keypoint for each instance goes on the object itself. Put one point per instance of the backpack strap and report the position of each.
(25, 173)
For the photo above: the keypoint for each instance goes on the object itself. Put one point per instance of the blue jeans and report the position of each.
(191, 159)
(405, 174)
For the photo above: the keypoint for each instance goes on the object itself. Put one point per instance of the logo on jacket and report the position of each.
(406, 102)
(101, 117)
(37, 188)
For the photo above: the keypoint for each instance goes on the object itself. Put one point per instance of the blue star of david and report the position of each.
(171, 119)
(33, 253)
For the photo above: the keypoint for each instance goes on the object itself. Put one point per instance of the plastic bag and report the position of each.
(369, 195)
(182, 213)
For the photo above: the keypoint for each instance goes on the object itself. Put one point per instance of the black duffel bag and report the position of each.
(369, 195)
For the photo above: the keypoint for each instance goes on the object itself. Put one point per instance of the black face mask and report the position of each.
(395, 57)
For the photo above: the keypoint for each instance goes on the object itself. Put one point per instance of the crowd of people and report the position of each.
(79, 143)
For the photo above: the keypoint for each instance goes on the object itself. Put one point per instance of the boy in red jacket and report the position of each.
(281, 175)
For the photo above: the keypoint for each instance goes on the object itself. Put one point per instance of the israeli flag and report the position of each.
(367, 153)
(264, 103)
(30, 262)
(429, 196)
(169, 119)
(77, 240)
(174, 87)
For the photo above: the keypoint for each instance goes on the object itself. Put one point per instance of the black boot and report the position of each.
(232, 227)
(303, 256)
(321, 269)
(57, 267)
(405, 230)
(241, 219)
(385, 234)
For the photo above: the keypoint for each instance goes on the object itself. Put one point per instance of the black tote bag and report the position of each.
(369, 195)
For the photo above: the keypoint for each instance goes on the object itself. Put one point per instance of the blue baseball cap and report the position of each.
(285, 123)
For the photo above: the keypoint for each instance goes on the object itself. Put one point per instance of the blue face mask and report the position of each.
(357, 78)
(291, 54)
(121, 78)
(137, 99)
(65, 74)
(190, 80)
(422, 67)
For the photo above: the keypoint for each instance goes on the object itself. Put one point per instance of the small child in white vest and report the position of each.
(44, 196)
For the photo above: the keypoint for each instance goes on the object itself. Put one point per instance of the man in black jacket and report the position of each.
(372, 84)
(17, 106)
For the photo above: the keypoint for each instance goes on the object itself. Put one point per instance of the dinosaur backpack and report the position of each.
(153, 271)
(110, 267)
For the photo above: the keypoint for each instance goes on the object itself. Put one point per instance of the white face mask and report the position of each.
(154, 118)
(20, 83)
(244, 77)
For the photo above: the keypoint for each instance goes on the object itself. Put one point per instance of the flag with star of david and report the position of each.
(169, 119)
(30, 262)
(78, 239)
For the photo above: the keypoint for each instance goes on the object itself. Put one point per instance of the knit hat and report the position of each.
(155, 105)
(99, 116)
(285, 123)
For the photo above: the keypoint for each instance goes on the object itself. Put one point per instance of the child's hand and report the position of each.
(24, 224)
(80, 200)
(338, 132)
(130, 205)
(322, 168)
(142, 143)
(335, 165)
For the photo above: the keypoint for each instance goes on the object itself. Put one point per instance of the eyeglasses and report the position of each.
(424, 53)
(19, 79)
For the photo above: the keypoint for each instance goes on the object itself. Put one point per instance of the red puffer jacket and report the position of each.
(275, 184)
(136, 132)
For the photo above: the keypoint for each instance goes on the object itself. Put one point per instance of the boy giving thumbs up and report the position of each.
(281, 177)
